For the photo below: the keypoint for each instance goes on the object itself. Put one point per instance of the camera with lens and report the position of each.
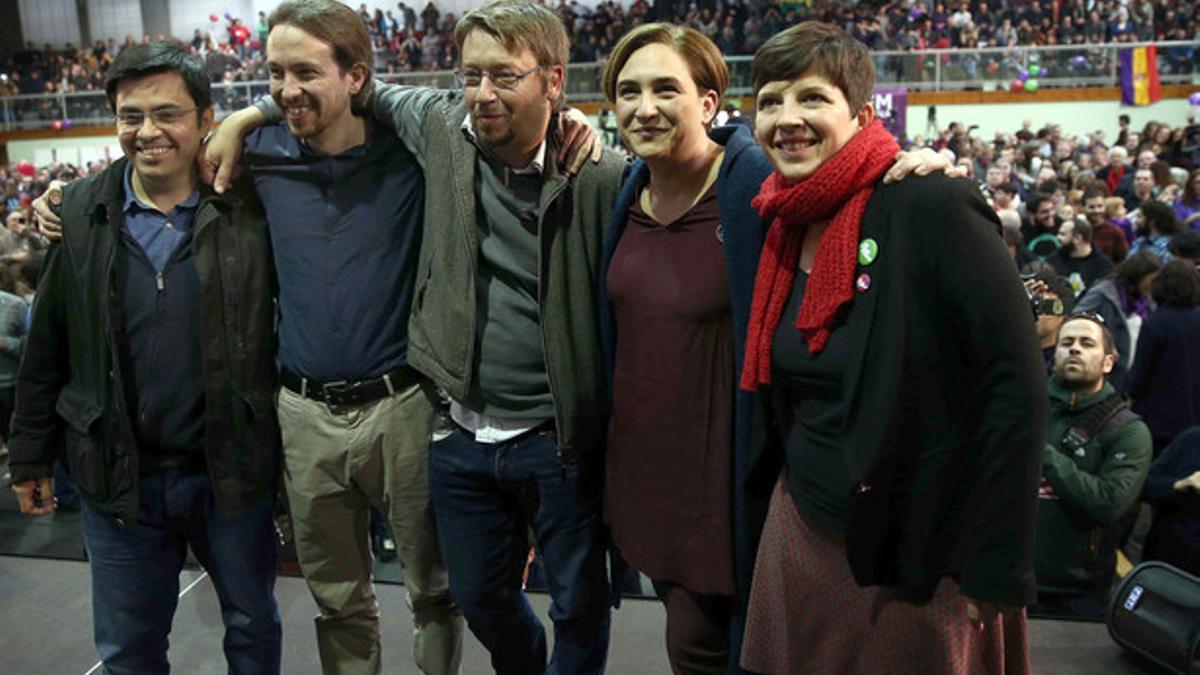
(1039, 303)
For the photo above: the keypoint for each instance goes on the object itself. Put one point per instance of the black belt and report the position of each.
(344, 393)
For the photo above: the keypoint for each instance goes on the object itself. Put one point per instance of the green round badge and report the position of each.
(868, 250)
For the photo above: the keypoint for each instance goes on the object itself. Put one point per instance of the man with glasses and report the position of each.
(149, 367)
(504, 320)
(344, 205)
(1096, 458)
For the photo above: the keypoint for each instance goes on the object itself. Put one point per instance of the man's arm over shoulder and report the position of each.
(604, 177)
(596, 187)
(404, 110)
(1109, 493)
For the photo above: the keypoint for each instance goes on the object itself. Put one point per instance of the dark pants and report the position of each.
(135, 575)
(486, 498)
(697, 629)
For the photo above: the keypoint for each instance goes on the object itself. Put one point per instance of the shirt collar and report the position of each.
(132, 201)
(537, 166)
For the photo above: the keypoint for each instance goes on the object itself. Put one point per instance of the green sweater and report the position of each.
(1087, 494)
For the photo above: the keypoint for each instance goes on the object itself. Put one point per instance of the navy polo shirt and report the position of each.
(346, 231)
(162, 362)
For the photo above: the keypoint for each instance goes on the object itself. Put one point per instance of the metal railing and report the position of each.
(930, 70)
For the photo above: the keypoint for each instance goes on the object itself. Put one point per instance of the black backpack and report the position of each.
(1155, 613)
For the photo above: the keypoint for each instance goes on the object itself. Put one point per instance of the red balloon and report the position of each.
(213, 18)
(25, 168)
(56, 125)
(1018, 85)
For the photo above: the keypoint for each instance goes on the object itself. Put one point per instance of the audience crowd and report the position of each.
(421, 38)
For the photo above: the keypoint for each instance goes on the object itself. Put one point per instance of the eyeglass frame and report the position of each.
(460, 76)
(154, 117)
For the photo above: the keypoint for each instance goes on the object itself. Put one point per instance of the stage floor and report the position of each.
(46, 627)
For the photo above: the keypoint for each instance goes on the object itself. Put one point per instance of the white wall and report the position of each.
(1075, 117)
(188, 15)
(76, 150)
(114, 18)
(49, 21)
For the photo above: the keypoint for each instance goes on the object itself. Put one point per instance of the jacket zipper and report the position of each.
(554, 401)
(117, 390)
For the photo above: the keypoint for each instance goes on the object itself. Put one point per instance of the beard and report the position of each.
(1076, 380)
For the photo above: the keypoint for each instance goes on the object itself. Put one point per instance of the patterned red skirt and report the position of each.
(807, 615)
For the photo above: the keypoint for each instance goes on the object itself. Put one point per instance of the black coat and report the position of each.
(70, 400)
(946, 401)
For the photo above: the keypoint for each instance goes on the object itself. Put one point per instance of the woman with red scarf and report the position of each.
(892, 338)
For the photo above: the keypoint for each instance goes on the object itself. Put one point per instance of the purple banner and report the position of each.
(891, 106)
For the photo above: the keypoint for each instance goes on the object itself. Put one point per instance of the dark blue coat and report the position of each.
(742, 172)
(1164, 382)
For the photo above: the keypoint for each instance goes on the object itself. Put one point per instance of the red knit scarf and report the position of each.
(838, 192)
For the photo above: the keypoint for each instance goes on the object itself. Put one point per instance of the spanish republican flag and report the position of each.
(1139, 76)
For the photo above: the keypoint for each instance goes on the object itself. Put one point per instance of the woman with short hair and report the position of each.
(892, 337)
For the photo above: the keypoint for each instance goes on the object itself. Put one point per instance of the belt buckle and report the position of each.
(335, 394)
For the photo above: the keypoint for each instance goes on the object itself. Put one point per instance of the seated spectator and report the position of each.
(1164, 383)
(1010, 229)
(1143, 189)
(1155, 223)
(1077, 260)
(1096, 458)
(1110, 239)
(1123, 300)
(14, 314)
(1114, 173)
(1041, 227)
(1173, 489)
(1187, 207)
(1116, 214)
(1186, 245)
(1006, 196)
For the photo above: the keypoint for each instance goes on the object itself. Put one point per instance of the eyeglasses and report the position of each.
(501, 80)
(161, 117)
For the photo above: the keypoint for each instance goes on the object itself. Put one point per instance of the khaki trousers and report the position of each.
(337, 465)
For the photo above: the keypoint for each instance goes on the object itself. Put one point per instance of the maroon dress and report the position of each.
(669, 466)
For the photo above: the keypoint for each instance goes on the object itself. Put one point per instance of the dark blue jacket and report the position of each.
(742, 172)
(1176, 529)
(1164, 382)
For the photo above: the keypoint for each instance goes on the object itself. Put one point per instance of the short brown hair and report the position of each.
(338, 26)
(516, 24)
(704, 60)
(823, 49)
(1106, 337)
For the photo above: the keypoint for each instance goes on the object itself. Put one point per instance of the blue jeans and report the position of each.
(135, 575)
(486, 498)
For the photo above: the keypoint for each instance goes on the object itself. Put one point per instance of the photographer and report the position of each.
(1096, 458)
(1052, 298)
